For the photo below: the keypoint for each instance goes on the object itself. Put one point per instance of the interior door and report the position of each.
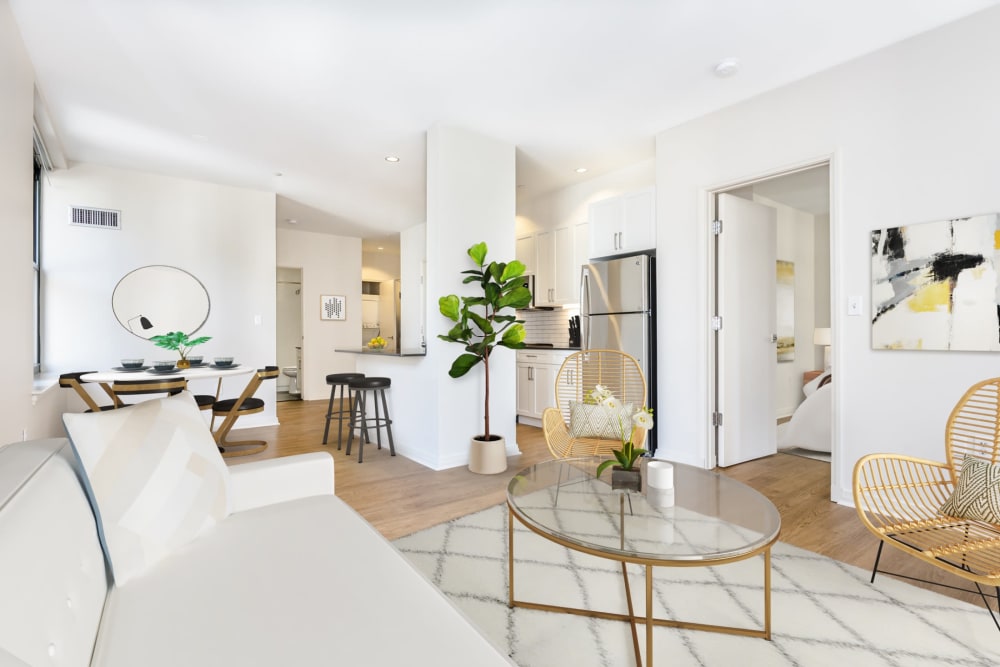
(746, 344)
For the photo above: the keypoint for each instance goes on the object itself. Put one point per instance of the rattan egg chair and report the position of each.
(578, 375)
(901, 499)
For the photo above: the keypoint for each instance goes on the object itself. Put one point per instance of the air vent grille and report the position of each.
(102, 218)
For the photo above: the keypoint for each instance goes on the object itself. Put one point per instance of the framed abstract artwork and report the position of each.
(333, 308)
(935, 285)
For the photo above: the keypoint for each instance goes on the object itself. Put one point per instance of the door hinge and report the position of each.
(717, 227)
(717, 323)
(716, 419)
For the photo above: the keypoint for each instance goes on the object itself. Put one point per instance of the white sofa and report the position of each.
(293, 577)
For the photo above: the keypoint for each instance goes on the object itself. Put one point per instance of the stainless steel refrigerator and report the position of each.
(617, 312)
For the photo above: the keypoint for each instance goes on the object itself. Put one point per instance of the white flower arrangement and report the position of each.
(642, 418)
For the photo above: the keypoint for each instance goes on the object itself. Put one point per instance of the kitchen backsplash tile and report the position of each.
(547, 326)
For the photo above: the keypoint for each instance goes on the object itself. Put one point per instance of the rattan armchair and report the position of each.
(578, 375)
(899, 498)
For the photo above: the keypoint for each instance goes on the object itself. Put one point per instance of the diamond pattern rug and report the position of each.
(823, 612)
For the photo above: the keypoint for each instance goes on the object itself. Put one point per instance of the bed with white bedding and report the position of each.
(809, 427)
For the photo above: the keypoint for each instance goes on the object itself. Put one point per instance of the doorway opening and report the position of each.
(288, 336)
(772, 320)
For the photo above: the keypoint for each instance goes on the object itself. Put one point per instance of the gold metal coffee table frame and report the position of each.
(647, 619)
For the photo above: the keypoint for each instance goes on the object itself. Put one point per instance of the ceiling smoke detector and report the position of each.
(727, 67)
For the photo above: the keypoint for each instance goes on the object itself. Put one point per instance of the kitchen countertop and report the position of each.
(405, 352)
(537, 346)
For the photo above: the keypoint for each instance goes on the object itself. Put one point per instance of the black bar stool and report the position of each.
(339, 380)
(361, 420)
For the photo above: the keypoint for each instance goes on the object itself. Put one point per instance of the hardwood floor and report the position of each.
(398, 496)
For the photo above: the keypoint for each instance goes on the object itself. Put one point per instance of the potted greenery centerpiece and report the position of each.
(178, 340)
(481, 325)
(624, 475)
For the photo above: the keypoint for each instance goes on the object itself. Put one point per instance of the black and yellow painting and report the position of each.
(936, 286)
(785, 310)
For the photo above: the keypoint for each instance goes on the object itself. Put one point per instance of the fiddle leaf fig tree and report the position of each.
(480, 321)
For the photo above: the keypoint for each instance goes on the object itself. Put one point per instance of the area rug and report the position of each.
(824, 613)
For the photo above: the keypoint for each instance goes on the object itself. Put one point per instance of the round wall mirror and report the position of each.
(154, 300)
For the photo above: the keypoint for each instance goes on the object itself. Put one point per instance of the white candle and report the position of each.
(661, 498)
(660, 475)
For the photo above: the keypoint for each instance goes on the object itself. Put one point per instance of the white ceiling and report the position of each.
(238, 91)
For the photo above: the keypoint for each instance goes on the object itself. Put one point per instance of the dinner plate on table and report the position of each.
(224, 368)
(172, 371)
(122, 369)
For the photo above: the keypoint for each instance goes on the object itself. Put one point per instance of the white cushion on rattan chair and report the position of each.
(977, 494)
(587, 420)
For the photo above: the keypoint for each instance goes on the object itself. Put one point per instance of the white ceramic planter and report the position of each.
(488, 457)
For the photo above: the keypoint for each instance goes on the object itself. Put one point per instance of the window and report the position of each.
(36, 263)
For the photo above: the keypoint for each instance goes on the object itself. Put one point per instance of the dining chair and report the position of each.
(168, 385)
(73, 381)
(231, 409)
(576, 427)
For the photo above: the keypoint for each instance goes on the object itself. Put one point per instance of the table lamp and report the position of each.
(821, 336)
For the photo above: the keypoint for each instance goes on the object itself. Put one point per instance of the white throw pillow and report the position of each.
(977, 493)
(587, 420)
(155, 478)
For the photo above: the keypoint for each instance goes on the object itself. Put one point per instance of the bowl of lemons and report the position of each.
(377, 343)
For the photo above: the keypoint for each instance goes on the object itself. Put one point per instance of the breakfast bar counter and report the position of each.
(405, 352)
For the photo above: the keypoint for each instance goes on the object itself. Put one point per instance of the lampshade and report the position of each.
(821, 336)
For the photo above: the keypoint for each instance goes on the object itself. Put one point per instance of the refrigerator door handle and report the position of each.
(584, 310)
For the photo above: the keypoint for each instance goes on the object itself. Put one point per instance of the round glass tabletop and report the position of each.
(708, 517)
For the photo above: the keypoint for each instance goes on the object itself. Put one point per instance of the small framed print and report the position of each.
(333, 308)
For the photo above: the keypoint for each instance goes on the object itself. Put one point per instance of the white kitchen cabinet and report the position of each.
(556, 277)
(564, 267)
(536, 376)
(581, 252)
(525, 251)
(623, 224)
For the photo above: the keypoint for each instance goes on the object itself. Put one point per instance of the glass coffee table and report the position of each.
(718, 521)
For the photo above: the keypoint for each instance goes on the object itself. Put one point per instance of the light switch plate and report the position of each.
(854, 304)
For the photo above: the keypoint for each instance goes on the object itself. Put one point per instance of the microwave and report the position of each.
(529, 282)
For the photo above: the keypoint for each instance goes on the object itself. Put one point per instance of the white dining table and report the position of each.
(204, 372)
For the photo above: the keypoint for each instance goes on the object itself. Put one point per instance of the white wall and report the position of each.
(568, 206)
(18, 413)
(222, 235)
(331, 265)
(379, 266)
(821, 274)
(470, 198)
(911, 130)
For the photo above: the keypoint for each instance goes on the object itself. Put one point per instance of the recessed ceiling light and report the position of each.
(278, 173)
(581, 170)
(727, 67)
(291, 221)
(391, 158)
(381, 248)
